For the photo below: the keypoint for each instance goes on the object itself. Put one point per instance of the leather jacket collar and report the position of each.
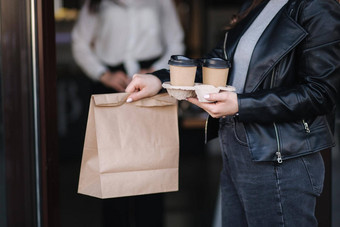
(265, 56)
(235, 34)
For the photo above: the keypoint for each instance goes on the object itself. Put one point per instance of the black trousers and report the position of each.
(134, 211)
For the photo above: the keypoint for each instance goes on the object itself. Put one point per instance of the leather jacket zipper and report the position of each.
(224, 46)
(278, 152)
(306, 126)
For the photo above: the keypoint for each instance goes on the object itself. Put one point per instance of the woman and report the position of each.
(285, 66)
(116, 38)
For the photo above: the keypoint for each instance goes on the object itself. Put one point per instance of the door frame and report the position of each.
(29, 151)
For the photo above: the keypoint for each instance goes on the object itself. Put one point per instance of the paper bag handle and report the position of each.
(117, 99)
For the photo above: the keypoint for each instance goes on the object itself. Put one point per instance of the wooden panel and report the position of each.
(48, 113)
(19, 134)
(16, 88)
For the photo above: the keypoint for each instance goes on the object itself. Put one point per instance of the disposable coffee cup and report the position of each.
(215, 71)
(182, 70)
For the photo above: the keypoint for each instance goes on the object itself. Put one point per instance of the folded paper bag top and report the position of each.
(126, 152)
(120, 99)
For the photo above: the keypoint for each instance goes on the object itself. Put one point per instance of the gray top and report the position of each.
(246, 45)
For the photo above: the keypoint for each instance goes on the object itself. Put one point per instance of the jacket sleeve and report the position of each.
(317, 73)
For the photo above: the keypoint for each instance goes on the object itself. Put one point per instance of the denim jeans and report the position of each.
(266, 193)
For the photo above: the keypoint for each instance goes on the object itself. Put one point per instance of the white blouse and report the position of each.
(140, 30)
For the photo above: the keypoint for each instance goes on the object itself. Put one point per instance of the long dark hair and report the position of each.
(238, 17)
(94, 5)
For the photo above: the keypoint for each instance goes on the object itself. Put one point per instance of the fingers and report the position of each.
(130, 88)
(136, 88)
(143, 86)
(135, 96)
(217, 97)
(221, 105)
(210, 108)
(134, 85)
(195, 102)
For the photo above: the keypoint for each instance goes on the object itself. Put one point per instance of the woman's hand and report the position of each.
(142, 86)
(117, 80)
(223, 104)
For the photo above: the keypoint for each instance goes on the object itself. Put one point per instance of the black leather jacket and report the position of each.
(292, 81)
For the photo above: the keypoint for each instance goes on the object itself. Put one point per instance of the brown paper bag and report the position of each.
(130, 148)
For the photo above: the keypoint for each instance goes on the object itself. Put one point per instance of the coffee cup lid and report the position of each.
(181, 60)
(217, 63)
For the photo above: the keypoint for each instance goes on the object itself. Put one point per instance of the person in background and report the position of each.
(113, 39)
(285, 67)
